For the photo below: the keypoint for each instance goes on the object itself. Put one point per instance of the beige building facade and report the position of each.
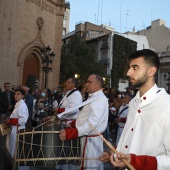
(101, 39)
(158, 35)
(164, 71)
(26, 27)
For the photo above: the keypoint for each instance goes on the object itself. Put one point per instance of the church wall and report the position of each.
(19, 29)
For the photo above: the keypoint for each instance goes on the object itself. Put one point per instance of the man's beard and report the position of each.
(139, 82)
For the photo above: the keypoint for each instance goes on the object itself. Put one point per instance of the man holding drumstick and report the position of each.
(145, 141)
(95, 113)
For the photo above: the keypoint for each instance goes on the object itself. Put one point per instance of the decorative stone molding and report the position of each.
(40, 23)
(32, 47)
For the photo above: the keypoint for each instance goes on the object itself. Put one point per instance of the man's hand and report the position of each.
(62, 135)
(117, 120)
(105, 157)
(7, 120)
(56, 110)
(116, 160)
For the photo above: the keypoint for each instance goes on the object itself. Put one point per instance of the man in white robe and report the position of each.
(17, 120)
(95, 113)
(145, 141)
(72, 98)
(122, 115)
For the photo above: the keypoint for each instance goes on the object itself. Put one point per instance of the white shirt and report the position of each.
(95, 113)
(147, 130)
(123, 114)
(54, 104)
(21, 112)
(69, 102)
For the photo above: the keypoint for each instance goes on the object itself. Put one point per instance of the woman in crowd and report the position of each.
(57, 99)
(117, 102)
(17, 120)
(42, 108)
(49, 93)
(84, 92)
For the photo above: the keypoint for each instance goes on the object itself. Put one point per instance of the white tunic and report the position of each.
(121, 124)
(123, 114)
(69, 102)
(21, 112)
(147, 130)
(95, 113)
(54, 104)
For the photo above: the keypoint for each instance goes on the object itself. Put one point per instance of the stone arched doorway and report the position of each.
(30, 60)
(31, 67)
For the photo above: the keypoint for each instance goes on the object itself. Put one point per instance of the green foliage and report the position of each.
(123, 47)
(77, 58)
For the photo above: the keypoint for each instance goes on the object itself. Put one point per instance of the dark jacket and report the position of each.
(29, 102)
(4, 103)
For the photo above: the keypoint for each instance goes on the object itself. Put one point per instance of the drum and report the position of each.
(5, 129)
(42, 147)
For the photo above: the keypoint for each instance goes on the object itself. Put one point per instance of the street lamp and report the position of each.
(47, 58)
(76, 76)
(167, 79)
(104, 80)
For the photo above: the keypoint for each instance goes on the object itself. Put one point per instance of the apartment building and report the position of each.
(110, 48)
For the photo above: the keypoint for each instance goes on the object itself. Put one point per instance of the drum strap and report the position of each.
(80, 105)
(72, 91)
(122, 111)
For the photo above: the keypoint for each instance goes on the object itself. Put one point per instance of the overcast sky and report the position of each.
(123, 15)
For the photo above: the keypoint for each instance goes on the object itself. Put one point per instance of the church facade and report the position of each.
(27, 26)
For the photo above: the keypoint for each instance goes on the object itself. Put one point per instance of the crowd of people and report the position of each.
(32, 105)
(136, 119)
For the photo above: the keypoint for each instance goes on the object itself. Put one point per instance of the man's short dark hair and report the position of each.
(148, 55)
(128, 94)
(7, 83)
(73, 80)
(99, 79)
(20, 90)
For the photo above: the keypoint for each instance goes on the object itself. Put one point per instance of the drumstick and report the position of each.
(112, 148)
(54, 158)
(52, 119)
